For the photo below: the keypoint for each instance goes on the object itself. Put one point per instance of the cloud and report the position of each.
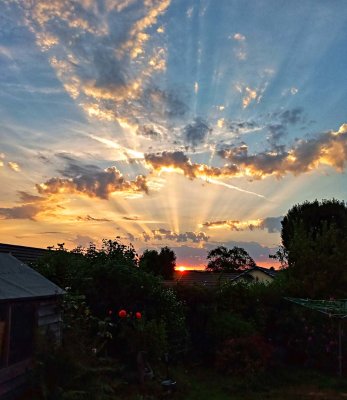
(249, 96)
(328, 148)
(239, 37)
(196, 133)
(271, 224)
(26, 211)
(82, 240)
(30, 208)
(149, 131)
(240, 50)
(162, 234)
(290, 91)
(291, 116)
(282, 120)
(131, 218)
(106, 57)
(177, 160)
(90, 218)
(240, 127)
(25, 197)
(99, 183)
(14, 166)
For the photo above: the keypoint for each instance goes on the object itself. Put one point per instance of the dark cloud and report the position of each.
(26, 211)
(97, 183)
(162, 234)
(131, 218)
(90, 218)
(242, 126)
(149, 131)
(160, 103)
(276, 133)
(74, 168)
(90, 180)
(25, 197)
(292, 117)
(271, 224)
(196, 133)
(278, 130)
(130, 237)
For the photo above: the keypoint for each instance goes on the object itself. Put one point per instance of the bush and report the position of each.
(241, 356)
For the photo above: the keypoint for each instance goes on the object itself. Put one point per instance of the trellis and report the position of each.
(332, 308)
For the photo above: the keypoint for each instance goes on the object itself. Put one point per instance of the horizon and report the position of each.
(168, 122)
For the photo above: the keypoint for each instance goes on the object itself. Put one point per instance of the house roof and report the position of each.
(271, 272)
(18, 281)
(204, 278)
(212, 279)
(23, 253)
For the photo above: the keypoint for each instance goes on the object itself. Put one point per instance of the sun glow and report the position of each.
(181, 268)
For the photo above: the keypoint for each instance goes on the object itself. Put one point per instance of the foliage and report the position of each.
(224, 325)
(106, 280)
(314, 245)
(244, 356)
(222, 259)
(162, 264)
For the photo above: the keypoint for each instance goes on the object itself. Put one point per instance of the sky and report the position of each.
(183, 123)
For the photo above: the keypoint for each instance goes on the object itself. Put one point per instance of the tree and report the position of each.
(311, 220)
(314, 247)
(222, 259)
(162, 264)
(168, 262)
(149, 262)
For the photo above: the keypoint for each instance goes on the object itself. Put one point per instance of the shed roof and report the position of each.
(23, 253)
(18, 281)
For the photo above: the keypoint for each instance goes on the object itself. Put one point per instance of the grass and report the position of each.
(198, 382)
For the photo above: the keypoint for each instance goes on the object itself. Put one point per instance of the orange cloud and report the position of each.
(178, 161)
(99, 183)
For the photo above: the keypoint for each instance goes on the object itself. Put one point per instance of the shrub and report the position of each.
(241, 356)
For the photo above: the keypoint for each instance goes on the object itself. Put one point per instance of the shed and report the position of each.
(28, 303)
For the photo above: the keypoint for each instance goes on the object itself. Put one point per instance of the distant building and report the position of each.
(214, 279)
(28, 303)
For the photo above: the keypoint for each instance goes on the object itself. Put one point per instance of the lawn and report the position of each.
(199, 383)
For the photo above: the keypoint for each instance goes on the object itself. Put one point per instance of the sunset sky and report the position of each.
(186, 123)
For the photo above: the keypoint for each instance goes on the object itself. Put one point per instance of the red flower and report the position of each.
(138, 315)
(122, 314)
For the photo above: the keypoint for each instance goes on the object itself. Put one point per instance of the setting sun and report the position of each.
(181, 268)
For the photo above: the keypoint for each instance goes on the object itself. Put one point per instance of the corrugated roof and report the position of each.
(18, 281)
(25, 254)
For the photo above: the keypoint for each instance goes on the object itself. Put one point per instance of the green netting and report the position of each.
(333, 308)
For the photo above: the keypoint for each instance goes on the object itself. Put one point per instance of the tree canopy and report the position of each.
(162, 264)
(314, 246)
(222, 259)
